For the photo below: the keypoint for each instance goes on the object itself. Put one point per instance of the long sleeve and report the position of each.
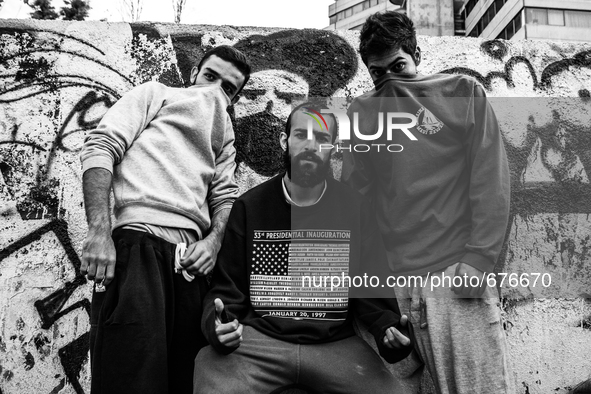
(381, 312)
(106, 145)
(223, 190)
(489, 189)
(230, 279)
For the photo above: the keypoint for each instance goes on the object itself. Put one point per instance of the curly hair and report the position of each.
(387, 31)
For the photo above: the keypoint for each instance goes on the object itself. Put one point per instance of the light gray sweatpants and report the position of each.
(461, 341)
(266, 365)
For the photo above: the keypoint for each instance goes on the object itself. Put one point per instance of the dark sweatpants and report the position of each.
(145, 329)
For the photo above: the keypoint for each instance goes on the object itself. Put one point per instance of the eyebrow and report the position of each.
(217, 74)
(324, 133)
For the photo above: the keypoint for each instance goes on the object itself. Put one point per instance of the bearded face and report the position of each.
(305, 169)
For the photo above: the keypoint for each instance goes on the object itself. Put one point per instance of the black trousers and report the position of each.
(145, 328)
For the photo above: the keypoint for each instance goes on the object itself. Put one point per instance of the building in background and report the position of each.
(565, 20)
(431, 17)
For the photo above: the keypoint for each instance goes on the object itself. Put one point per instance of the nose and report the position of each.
(312, 144)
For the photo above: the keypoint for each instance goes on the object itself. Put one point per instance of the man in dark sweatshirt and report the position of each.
(440, 186)
(269, 328)
(168, 155)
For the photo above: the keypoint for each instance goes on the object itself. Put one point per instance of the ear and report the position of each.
(418, 56)
(283, 140)
(194, 73)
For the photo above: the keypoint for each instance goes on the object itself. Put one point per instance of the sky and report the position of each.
(262, 13)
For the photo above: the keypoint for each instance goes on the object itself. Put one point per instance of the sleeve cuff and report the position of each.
(378, 330)
(216, 344)
(392, 356)
(208, 329)
(478, 261)
(226, 205)
(97, 162)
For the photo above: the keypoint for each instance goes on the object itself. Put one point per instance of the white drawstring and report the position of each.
(178, 268)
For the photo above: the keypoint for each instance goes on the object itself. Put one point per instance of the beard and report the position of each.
(305, 174)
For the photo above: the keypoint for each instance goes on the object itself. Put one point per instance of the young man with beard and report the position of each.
(269, 328)
(442, 205)
(168, 155)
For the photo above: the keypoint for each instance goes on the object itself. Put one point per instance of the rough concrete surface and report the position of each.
(58, 78)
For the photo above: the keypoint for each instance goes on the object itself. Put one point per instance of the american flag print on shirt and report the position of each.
(292, 270)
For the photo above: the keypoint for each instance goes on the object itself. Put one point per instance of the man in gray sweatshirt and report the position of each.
(168, 155)
(441, 192)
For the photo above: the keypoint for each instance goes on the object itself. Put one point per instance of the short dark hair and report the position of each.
(315, 107)
(232, 55)
(386, 31)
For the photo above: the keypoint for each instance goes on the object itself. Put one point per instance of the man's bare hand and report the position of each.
(199, 258)
(466, 272)
(98, 258)
(228, 333)
(394, 339)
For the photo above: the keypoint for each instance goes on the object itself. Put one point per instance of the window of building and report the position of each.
(470, 6)
(577, 18)
(374, 2)
(544, 16)
(357, 8)
(510, 30)
(480, 26)
(491, 12)
(484, 21)
(502, 35)
(333, 19)
(488, 16)
(366, 4)
(537, 16)
(348, 12)
(518, 22)
(556, 17)
(499, 4)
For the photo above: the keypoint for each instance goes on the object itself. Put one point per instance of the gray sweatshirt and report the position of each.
(171, 153)
(445, 198)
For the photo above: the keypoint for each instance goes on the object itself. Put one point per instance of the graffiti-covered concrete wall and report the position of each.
(57, 79)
